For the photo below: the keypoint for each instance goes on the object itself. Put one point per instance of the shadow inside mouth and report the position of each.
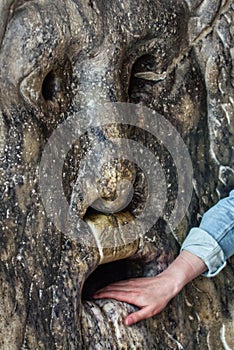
(109, 273)
(104, 275)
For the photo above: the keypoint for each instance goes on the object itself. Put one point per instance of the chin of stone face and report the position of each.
(116, 135)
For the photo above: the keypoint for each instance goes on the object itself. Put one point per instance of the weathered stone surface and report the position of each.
(175, 57)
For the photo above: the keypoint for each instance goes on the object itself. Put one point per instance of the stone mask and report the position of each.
(64, 60)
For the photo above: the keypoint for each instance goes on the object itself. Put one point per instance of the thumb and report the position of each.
(138, 316)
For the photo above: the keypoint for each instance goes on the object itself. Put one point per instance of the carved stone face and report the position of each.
(57, 59)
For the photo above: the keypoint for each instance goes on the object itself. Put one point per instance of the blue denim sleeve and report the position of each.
(213, 240)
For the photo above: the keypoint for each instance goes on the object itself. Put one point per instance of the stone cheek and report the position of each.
(31, 146)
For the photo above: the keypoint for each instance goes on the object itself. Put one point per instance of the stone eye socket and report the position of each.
(56, 86)
(144, 63)
(140, 86)
(51, 86)
(56, 91)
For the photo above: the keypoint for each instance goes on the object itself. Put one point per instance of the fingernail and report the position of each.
(128, 321)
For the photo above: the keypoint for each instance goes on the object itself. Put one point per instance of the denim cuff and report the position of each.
(203, 245)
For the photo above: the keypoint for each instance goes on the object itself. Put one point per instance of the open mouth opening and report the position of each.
(123, 267)
(104, 275)
(138, 265)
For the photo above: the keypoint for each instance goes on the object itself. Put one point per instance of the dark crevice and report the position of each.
(106, 274)
(50, 86)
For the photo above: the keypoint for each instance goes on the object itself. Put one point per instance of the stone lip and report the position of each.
(102, 324)
(112, 243)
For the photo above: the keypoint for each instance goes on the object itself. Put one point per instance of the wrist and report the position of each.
(183, 270)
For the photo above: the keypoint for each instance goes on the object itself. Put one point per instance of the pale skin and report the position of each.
(152, 294)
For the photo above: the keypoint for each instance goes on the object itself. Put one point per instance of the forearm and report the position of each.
(218, 221)
(213, 240)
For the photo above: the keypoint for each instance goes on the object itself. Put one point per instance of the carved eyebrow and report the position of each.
(16, 5)
(7, 11)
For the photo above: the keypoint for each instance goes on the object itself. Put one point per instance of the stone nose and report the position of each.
(107, 188)
(106, 172)
(100, 79)
(115, 186)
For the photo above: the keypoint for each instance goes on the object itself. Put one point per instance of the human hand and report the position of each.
(152, 294)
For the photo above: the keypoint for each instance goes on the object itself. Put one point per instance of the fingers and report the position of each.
(146, 293)
(114, 288)
(138, 316)
(118, 289)
(119, 295)
(149, 294)
(133, 318)
(127, 285)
